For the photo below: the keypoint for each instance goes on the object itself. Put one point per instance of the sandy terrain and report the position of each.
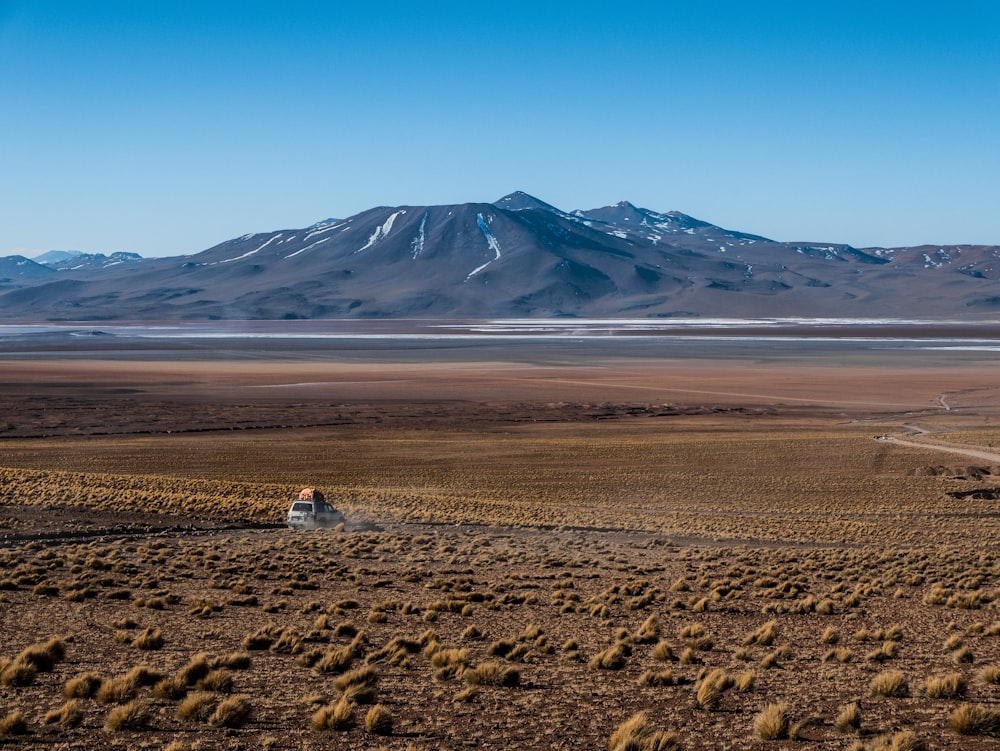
(606, 527)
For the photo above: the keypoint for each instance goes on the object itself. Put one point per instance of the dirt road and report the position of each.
(976, 452)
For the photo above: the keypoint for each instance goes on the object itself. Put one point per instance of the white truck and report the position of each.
(311, 511)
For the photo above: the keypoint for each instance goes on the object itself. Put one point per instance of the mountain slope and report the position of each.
(518, 257)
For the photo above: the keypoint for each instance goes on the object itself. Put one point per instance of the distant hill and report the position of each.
(75, 260)
(517, 257)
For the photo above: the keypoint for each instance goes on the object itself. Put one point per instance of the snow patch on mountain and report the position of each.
(418, 241)
(324, 228)
(381, 231)
(255, 250)
(491, 241)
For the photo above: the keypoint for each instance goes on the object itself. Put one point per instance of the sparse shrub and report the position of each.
(773, 723)
(849, 718)
(764, 635)
(133, 715)
(636, 734)
(773, 659)
(662, 652)
(891, 684)
(142, 675)
(953, 642)
(443, 658)
(233, 661)
(745, 682)
(397, 651)
(43, 656)
(336, 660)
(67, 716)
(501, 647)
(659, 678)
(170, 689)
(196, 668)
(709, 690)
(648, 632)
(366, 676)
(262, 638)
(18, 674)
(290, 642)
(975, 719)
(613, 658)
(905, 740)
(843, 654)
(148, 639)
(334, 716)
(961, 656)
(379, 720)
(951, 686)
(493, 674)
(13, 723)
(689, 657)
(989, 675)
(232, 712)
(887, 651)
(117, 690)
(196, 707)
(471, 634)
(220, 680)
(83, 686)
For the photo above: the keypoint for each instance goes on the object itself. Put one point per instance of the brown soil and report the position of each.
(540, 504)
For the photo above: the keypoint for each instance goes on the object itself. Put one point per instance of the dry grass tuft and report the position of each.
(13, 723)
(18, 674)
(975, 719)
(44, 655)
(950, 686)
(334, 716)
(773, 723)
(905, 740)
(83, 686)
(358, 686)
(170, 689)
(379, 720)
(989, 675)
(67, 716)
(234, 661)
(636, 734)
(849, 718)
(196, 707)
(648, 632)
(613, 658)
(148, 639)
(493, 674)
(891, 683)
(220, 680)
(117, 690)
(709, 690)
(131, 716)
(196, 668)
(143, 675)
(662, 652)
(232, 712)
(764, 635)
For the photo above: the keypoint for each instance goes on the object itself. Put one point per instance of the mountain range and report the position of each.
(516, 258)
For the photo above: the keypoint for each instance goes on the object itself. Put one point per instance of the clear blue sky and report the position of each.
(165, 127)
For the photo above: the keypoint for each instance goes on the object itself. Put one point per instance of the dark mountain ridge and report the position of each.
(517, 257)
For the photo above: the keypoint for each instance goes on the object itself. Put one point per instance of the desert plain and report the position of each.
(781, 544)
